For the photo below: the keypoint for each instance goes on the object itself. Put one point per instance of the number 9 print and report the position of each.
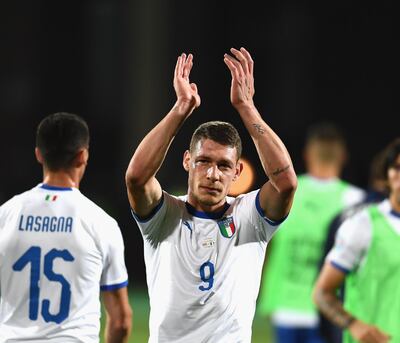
(207, 275)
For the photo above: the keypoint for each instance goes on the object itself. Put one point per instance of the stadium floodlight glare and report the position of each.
(245, 181)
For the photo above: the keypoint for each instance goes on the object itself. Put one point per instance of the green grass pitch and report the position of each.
(140, 332)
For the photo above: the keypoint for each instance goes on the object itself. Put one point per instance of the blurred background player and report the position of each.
(366, 257)
(204, 251)
(58, 250)
(296, 250)
(376, 192)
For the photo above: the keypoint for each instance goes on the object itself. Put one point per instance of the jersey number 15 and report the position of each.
(33, 256)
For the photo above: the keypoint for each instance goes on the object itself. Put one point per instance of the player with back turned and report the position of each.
(293, 262)
(58, 250)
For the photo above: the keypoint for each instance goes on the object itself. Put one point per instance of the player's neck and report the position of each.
(321, 171)
(201, 207)
(61, 179)
(394, 199)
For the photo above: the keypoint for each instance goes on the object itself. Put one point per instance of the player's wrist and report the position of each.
(349, 322)
(247, 110)
(183, 107)
(245, 106)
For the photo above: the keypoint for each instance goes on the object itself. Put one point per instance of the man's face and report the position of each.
(212, 167)
(394, 177)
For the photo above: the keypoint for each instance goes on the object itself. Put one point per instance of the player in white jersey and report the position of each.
(365, 257)
(58, 250)
(204, 251)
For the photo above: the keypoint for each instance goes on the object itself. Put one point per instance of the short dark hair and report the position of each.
(59, 137)
(391, 153)
(325, 132)
(221, 132)
(330, 139)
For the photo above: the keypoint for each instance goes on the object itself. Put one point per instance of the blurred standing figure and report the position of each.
(366, 257)
(376, 192)
(293, 263)
(204, 251)
(58, 250)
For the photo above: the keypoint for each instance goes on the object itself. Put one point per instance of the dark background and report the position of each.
(112, 62)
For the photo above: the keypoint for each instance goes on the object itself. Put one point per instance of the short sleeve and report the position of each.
(249, 210)
(114, 273)
(6, 211)
(161, 220)
(351, 242)
(353, 195)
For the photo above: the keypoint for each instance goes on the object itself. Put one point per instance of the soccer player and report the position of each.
(376, 192)
(296, 251)
(365, 257)
(58, 250)
(204, 251)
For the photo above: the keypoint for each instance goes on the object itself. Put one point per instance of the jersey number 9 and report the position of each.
(207, 275)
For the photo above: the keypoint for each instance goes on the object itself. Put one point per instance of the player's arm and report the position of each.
(118, 315)
(144, 191)
(276, 195)
(326, 299)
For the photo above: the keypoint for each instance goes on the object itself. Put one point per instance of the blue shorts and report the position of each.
(285, 334)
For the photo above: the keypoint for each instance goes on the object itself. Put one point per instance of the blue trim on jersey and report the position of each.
(206, 215)
(114, 287)
(188, 226)
(394, 213)
(262, 213)
(55, 188)
(152, 213)
(339, 267)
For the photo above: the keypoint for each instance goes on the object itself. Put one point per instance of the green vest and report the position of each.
(373, 290)
(296, 249)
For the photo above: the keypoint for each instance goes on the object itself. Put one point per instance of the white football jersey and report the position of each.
(354, 236)
(204, 269)
(57, 250)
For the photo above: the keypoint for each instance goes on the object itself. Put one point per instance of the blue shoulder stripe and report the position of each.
(339, 267)
(114, 287)
(151, 214)
(262, 213)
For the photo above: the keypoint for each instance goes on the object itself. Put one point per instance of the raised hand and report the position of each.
(187, 96)
(241, 66)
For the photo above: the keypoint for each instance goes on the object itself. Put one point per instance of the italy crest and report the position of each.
(227, 227)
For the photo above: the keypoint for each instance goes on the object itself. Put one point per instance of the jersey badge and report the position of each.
(227, 227)
(208, 243)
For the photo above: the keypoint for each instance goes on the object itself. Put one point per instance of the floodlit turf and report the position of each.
(140, 305)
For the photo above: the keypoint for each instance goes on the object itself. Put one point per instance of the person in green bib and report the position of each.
(296, 250)
(366, 259)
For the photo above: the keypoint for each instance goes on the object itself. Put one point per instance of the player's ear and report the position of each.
(305, 153)
(38, 155)
(186, 160)
(238, 170)
(81, 157)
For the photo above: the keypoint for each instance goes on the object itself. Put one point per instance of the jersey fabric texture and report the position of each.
(293, 264)
(204, 269)
(372, 263)
(57, 249)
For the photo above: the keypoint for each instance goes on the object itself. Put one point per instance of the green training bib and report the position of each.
(296, 250)
(372, 292)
